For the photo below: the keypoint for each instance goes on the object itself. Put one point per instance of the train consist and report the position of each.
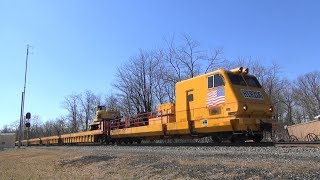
(223, 104)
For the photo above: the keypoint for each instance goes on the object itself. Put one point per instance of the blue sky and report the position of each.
(78, 45)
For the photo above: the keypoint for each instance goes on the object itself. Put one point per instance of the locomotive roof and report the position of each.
(199, 76)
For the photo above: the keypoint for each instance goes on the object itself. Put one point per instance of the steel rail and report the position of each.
(298, 144)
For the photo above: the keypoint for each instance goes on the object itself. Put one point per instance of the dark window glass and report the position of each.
(218, 81)
(190, 97)
(237, 79)
(252, 81)
(215, 81)
(210, 82)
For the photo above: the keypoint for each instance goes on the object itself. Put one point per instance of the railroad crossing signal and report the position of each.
(28, 115)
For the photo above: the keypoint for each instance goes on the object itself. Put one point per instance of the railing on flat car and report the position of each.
(141, 119)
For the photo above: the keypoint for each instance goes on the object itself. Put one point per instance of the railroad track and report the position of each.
(247, 144)
(199, 144)
(176, 144)
(298, 144)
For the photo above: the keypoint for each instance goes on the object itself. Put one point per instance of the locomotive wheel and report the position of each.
(130, 141)
(216, 139)
(238, 138)
(119, 142)
(108, 141)
(101, 141)
(113, 142)
(257, 137)
(125, 141)
(139, 141)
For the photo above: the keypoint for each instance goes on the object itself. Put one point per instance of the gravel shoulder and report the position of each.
(120, 162)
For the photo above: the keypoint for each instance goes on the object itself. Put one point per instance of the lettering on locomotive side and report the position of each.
(250, 94)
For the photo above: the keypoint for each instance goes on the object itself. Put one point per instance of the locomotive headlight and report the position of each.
(270, 109)
(245, 107)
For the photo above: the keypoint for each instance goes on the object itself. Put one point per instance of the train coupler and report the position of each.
(266, 126)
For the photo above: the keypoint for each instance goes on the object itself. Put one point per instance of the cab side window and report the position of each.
(210, 82)
(190, 97)
(215, 81)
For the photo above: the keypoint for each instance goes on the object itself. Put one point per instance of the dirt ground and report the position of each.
(50, 163)
(135, 163)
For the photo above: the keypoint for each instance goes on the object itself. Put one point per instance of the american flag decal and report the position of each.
(215, 97)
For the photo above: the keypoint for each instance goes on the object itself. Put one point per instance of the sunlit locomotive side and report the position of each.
(225, 105)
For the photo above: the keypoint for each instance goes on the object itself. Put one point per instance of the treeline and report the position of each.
(80, 112)
(148, 79)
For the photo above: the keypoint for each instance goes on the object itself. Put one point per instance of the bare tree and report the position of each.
(214, 60)
(12, 127)
(72, 105)
(88, 101)
(7, 129)
(307, 94)
(288, 100)
(187, 59)
(183, 59)
(273, 83)
(112, 102)
(48, 129)
(127, 107)
(189, 55)
(59, 126)
(36, 127)
(136, 81)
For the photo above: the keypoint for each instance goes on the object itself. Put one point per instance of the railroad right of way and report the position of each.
(160, 162)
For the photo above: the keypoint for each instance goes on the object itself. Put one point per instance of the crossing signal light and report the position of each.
(28, 116)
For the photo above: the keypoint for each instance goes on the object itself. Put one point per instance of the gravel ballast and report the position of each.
(142, 162)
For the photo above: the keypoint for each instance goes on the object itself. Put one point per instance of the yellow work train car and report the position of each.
(222, 103)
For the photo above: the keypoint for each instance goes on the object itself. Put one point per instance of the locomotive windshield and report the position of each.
(252, 81)
(246, 80)
(237, 79)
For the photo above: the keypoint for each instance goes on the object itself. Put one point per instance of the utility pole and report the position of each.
(22, 100)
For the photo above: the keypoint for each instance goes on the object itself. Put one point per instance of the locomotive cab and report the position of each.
(223, 102)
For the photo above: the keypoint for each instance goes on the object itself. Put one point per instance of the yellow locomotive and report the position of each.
(222, 104)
